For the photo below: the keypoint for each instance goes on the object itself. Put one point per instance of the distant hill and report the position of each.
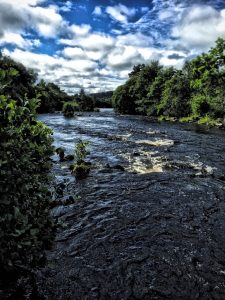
(103, 99)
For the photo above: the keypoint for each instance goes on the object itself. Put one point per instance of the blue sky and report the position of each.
(95, 43)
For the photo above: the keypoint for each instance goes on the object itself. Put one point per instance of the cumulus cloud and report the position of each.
(120, 12)
(135, 39)
(79, 30)
(17, 40)
(97, 11)
(46, 21)
(199, 27)
(56, 69)
(95, 45)
(73, 53)
(66, 7)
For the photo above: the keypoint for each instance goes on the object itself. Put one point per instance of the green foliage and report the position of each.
(143, 79)
(200, 104)
(81, 151)
(86, 103)
(156, 90)
(69, 108)
(175, 97)
(122, 101)
(198, 89)
(20, 81)
(51, 97)
(206, 120)
(188, 119)
(81, 168)
(102, 99)
(130, 98)
(26, 228)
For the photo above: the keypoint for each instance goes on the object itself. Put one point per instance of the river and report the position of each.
(149, 220)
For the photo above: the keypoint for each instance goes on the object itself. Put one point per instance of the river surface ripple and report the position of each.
(155, 230)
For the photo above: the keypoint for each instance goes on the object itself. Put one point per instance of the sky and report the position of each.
(94, 44)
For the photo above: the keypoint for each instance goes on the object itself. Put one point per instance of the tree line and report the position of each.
(196, 92)
(51, 98)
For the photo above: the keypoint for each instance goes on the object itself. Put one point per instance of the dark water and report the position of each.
(155, 230)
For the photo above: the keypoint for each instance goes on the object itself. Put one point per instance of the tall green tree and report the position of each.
(20, 80)
(175, 101)
(155, 92)
(86, 102)
(208, 79)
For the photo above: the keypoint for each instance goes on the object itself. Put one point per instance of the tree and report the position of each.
(20, 80)
(86, 103)
(144, 79)
(51, 97)
(156, 89)
(208, 79)
(176, 95)
(122, 100)
(136, 70)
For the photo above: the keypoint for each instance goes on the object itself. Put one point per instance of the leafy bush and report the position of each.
(200, 105)
(81, 168)
(206, 120)
(26, 228)
(81, 151)
(69, 108)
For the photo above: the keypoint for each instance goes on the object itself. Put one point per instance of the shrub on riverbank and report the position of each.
(195, 91)
(26, 228)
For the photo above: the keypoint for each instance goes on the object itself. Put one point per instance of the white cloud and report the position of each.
(26, 15)
(17, 40)
(90, 42)
(70, 74)
(74, 53)
(97, 42)
(199, 27)
(97, 11)
(80, 31)
(144, 9)
(120, 12)
(134, 39)
(66, 7)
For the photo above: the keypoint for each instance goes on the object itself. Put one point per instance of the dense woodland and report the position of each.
(194, 93)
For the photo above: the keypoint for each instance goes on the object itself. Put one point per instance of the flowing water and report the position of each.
(149, 220)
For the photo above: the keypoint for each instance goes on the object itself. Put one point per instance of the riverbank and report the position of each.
(206, 121)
